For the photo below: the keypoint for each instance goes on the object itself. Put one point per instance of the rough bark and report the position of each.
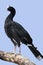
(15, 58)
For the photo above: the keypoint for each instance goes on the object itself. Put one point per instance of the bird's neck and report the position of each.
(9, 19)
(11, 15)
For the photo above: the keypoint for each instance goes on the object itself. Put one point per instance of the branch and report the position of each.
(15, 58)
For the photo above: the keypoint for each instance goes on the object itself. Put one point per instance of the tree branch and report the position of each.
(15, 58)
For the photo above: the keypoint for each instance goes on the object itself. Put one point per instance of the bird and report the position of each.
(17, 33)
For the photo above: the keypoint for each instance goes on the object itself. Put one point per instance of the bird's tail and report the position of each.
(34, 50)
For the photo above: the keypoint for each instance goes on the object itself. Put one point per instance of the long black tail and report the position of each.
(34, 50)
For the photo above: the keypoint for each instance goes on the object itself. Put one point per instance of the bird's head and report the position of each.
(11, 9)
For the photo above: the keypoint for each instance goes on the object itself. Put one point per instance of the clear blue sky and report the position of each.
(29, 13)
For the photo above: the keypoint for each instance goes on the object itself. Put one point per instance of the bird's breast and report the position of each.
(8, 31)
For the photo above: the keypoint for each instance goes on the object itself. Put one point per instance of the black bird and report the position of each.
(18, 34)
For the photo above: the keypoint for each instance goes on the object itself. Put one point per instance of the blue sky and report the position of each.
(29, 13)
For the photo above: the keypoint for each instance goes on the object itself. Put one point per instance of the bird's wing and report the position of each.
(19, 29)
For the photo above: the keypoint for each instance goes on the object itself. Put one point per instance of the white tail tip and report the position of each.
(39, 57)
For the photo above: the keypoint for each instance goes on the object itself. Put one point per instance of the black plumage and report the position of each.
(18, 34)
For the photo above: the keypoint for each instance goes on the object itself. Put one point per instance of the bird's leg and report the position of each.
(20, 50)
(15, 49)
(14, 42)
